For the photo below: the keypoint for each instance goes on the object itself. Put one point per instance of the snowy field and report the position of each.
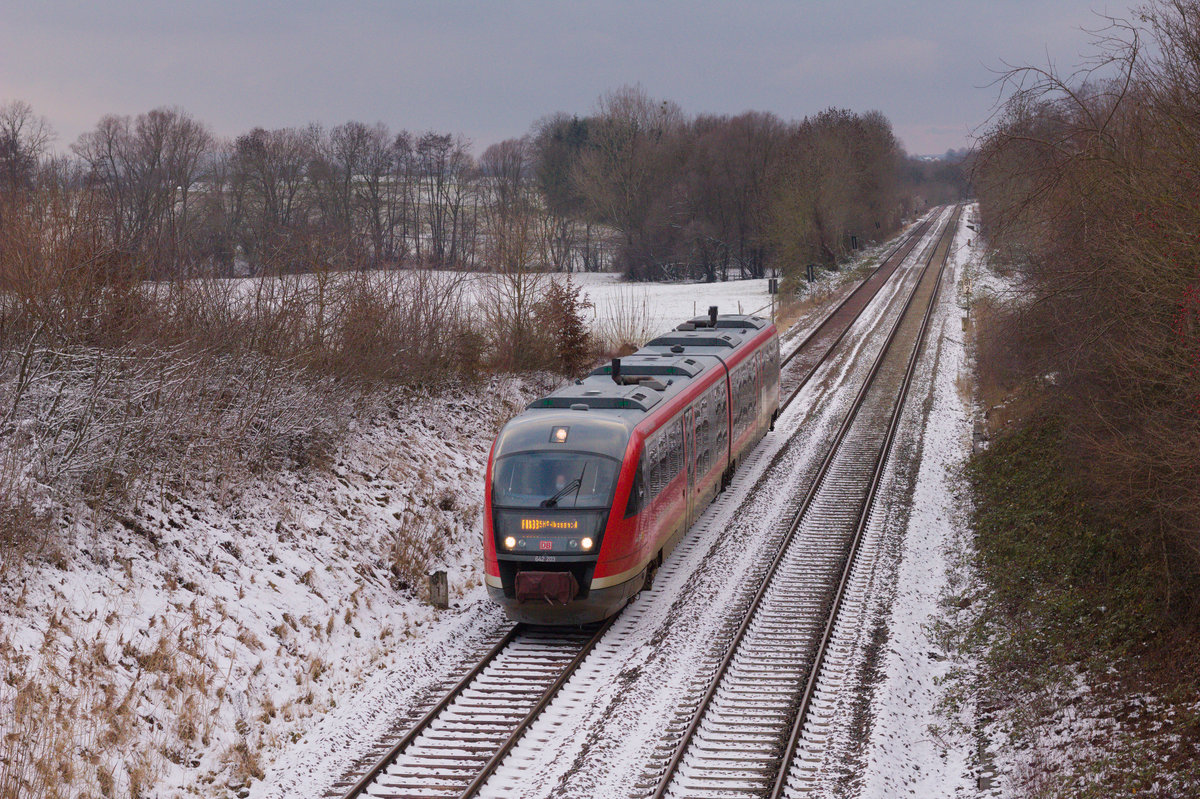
(593, 743)
(652, 308)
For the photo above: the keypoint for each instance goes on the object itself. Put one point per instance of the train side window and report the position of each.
(720, 419)
(743, 397)
(676, 450)
(656, 465)
(637, 493)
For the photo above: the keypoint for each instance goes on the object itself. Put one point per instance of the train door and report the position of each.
(690, 458)
(760, 394)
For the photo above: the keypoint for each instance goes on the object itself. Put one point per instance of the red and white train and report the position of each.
(592, 486)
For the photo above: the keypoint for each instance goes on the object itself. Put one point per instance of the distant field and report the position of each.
(632, 311)
(666, 304)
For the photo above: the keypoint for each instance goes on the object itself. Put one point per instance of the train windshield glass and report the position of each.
(554, 480)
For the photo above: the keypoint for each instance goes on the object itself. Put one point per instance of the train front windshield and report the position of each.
(554, 480)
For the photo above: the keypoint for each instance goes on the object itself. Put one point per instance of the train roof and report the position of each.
(726, 321)
(647, 379)
(701, 335)
(659, 370)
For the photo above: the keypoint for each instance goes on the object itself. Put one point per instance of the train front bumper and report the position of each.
(594, 604)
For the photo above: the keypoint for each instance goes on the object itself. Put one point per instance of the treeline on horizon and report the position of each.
(1090, 185)
(637, 186)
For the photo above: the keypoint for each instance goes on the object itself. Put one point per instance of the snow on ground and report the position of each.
(651, 308)
(255, 636)
(912, 747)
(199, 634)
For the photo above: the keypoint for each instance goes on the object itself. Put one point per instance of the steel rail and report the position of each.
(360, 787)
(903, 239)
(913, 235)
(697, 717)
(490, 767)
(859, 294)
(864, 515)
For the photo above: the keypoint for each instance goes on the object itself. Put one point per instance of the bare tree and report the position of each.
(510, 225)
(446, 167)
(147, 167)
(556, 145)
(406, 196)
(626, 171)
(730, 178)
(24, 141)
(374, 192)
(272, 164)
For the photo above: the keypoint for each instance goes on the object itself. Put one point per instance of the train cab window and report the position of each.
(556, 479)
(637, 494)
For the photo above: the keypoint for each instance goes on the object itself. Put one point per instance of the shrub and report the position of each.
(1089, 190)
(560, 314)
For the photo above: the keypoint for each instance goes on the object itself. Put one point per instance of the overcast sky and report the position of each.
(489, 69)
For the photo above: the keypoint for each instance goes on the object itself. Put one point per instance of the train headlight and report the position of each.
(510, 542)
(586, 543)
(559, 435)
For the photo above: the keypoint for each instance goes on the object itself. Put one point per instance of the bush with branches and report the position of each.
(1088, 185)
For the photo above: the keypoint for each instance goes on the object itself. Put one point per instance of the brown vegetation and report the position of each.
(1088, 184)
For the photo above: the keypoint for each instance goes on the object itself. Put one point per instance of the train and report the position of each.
(591, 487)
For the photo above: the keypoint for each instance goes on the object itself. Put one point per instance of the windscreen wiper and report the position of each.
(574, 485)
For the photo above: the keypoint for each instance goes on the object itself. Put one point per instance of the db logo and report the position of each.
(546, 545)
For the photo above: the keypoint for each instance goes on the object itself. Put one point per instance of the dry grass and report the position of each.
(109, 383)
(72, 723)
(626, 325)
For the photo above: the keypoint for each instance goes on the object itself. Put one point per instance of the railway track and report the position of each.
(748, 721)
(453, 749)
(805, 358)
(459, 742)
(807, 751)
